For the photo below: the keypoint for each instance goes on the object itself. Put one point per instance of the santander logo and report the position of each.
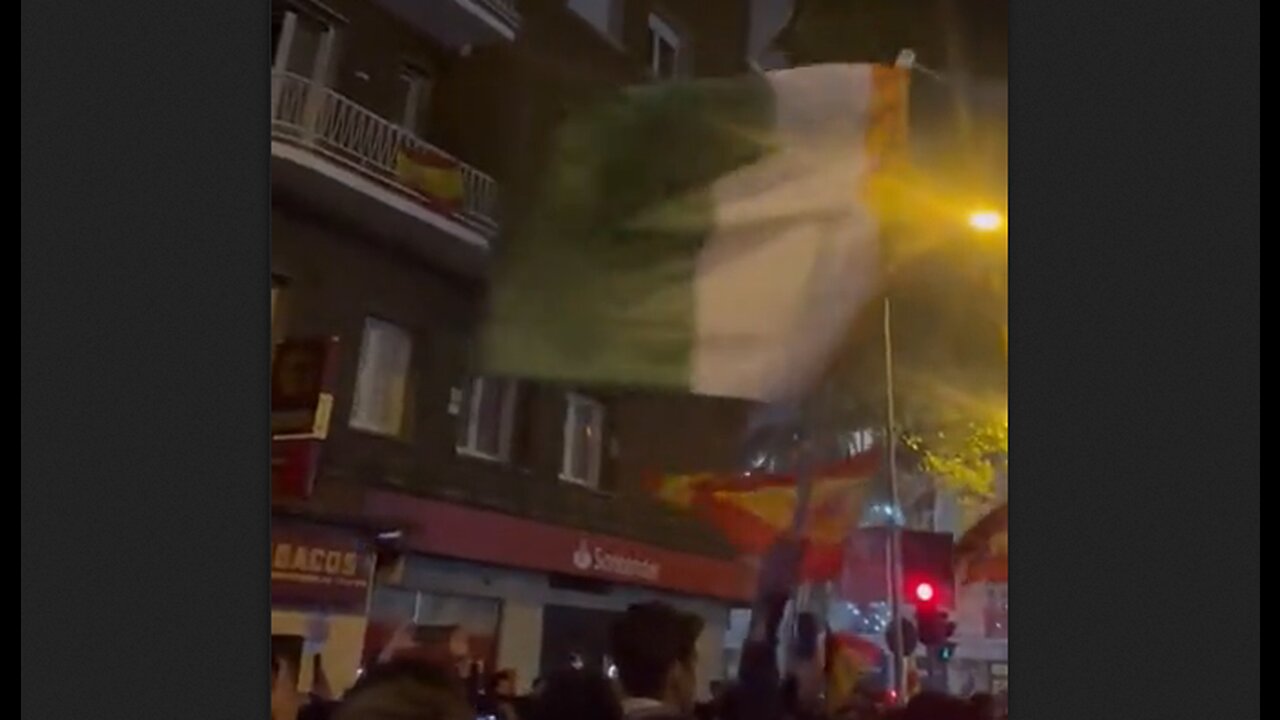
(582, 558)
(587, 558)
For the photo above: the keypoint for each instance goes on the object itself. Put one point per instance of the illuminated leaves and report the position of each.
(965, 461)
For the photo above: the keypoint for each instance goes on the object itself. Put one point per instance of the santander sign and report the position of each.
(593, 558)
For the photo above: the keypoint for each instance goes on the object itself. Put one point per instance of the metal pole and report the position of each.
(894, 669)
(804, 482)
(799, 522)
(895, 529)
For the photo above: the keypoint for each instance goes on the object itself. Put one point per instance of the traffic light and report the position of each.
(945, 651)
(924, 593)
(910, 637)
(935, 629)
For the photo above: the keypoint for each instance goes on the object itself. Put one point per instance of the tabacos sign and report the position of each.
(316, 564)
(592, 558)
(319, 567)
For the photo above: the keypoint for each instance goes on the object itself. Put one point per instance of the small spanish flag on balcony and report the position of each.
(752, 510)
(433, 175)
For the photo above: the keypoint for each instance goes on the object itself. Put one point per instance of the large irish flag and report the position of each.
(714, 237)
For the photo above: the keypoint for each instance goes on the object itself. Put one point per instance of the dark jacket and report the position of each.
(405, 690)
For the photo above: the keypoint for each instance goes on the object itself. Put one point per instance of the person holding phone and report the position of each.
(417, 676)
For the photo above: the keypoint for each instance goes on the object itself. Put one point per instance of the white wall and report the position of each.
(520, 640)
(341, 652)
(711, 657)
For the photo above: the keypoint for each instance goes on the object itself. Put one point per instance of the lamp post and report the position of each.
(980, 221)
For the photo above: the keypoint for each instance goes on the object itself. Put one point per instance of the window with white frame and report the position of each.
(303, 38)
(664, 49)
(416, 85)
(486, 419)
(604, 15)
(583, 440)
(382, 379)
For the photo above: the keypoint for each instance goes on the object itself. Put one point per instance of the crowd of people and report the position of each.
(654, 648)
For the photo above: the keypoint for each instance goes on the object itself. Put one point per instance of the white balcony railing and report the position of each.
(316, 117)
(505, 9)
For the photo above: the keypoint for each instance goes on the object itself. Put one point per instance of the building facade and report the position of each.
(402, 133)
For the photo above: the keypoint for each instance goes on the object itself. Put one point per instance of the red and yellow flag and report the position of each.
(682, 491)
(848, 659)
(752, 510)
(435, 176)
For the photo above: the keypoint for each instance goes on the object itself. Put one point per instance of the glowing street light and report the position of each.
(985, 220)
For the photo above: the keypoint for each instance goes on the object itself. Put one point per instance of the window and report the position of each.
(604, 15)
(382, 379)
(486, 419)
(583, 440)
(416, 86)
(856, 442)
(664, 49)
(277, 30)
(302, 43)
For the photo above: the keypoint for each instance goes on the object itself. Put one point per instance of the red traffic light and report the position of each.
(925, 592)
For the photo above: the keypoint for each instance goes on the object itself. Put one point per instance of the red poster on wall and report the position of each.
(302, 378)
(294, 463)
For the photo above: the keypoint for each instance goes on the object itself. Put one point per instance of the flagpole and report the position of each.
(895, 528)
(799, 522)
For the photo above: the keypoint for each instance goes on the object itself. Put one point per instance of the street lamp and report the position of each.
(981, 221)
(985, 221)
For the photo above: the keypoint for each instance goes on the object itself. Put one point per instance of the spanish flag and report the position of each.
(982, 554)
(433, 175)
(752, 510)
(682, 491)
(848, 659)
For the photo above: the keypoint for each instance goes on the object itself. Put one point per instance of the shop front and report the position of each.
(321, 577)
(534, 596)
(981, 662)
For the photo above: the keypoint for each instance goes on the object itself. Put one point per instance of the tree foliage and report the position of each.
(948, 327)
(966, 462)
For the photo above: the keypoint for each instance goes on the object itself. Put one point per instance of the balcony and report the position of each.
(344, 157)
(503, 489)
(459, 23)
